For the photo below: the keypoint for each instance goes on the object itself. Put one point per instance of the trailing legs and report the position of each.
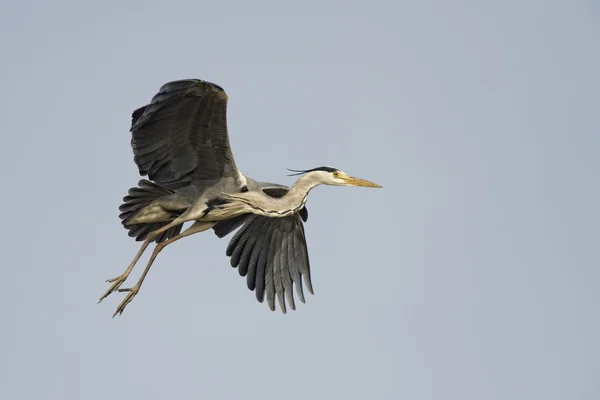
(118, 281)
(197, 227)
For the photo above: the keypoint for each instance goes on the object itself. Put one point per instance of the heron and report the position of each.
(181, 144)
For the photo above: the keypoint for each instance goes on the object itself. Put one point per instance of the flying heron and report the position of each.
(180, 142)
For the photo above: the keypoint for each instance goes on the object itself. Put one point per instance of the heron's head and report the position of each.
(334, 177)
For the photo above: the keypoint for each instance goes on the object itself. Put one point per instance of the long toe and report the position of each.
(114, 287)
(118, 278)
(131, 293)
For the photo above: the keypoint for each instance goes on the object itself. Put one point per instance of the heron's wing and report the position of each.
(182, 134)
(271, 253)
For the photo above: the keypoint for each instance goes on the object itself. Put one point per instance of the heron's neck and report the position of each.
(293, 200)
(300, 189)
(263, 204)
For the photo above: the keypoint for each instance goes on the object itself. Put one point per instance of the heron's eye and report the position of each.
(336, 174)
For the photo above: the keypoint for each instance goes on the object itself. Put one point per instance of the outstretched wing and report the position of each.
(270, 252)
(182, 134)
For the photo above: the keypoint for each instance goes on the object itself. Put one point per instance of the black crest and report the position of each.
(300, 172)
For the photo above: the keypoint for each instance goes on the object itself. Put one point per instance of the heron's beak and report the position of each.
(352, 181)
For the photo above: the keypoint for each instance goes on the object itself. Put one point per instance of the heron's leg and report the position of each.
(198, 226)
(118, 281)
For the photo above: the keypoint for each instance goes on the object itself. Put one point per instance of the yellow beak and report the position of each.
(352, 181)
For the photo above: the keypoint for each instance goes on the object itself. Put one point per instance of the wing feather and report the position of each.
(235, 240)
(304, 265)
(261, 265)
(250, 238)
(278, 268)
(270, 271)
(286, 278)
(253, 260)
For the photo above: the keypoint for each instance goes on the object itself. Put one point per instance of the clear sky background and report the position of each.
(473, 274)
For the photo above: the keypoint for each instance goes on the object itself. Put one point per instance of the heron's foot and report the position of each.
(131, 292)
(116, 284)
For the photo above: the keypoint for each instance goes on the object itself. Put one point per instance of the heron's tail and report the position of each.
(137, 199)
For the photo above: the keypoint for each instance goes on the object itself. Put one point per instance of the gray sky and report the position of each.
(480, 119)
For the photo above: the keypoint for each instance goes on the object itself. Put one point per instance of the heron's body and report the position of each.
(194, 200)
(180, 142)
